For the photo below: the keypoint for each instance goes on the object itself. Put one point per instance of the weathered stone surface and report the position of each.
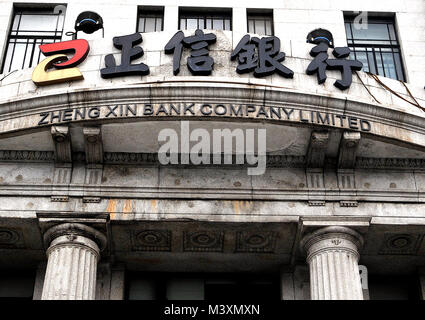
(72, 262)
(332, 254)
(215, 218)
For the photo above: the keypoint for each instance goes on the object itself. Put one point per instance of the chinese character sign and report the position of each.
(261, 56)
(199, 62)
(129, 51)
(321, 63)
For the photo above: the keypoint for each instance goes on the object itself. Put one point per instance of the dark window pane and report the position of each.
(379, 63)
(150, 25)
(191, 23)
(251, 28)
(150, 19)
(348, 30)
(141, 25)
(392, 32)
(389, 65)
(268, 27)
(209, 24)
(36, 55)
(400, 74)
(15, 25)
(18, 56)
(35, 22)
(158, 24)
(260, 27)
(362, 57)
(201, 20)
(227, 24)
(372, 66)
(373, 31)
(260, 24)
(218, 24)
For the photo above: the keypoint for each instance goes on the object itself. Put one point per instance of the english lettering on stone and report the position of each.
(194, 109)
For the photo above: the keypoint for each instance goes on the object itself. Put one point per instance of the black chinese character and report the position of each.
(245, 52)
(263, 63)
(345, 66)
(199, 62)
(321, 63)
(128, 52)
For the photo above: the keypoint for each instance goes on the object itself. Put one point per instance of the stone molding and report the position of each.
(401, 244)
(22, 155)
(333, 238)
(278, 161)
(256, 242)
(151, 240)
(11, 238)
(72, 233)
(385, 119)
(203, 241)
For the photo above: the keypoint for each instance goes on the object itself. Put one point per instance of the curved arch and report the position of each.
(237, 101)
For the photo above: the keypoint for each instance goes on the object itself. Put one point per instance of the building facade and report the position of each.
(88, 210)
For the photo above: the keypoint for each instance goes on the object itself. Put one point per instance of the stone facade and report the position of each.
(85, 201)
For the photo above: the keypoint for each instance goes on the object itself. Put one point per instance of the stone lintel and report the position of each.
(358, 224)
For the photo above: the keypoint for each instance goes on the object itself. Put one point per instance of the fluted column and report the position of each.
(73, 254)
(333, 255)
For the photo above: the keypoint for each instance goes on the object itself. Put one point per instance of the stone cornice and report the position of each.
(228, 193)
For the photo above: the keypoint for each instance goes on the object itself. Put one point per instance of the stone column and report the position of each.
(333, 255)
(73, 254)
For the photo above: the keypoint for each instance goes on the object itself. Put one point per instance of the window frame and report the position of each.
(150, 12)
(204, 14)
(375, 48)
(34, 39)
(251, 14)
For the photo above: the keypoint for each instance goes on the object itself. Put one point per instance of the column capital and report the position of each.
(332, 238)
(77, 234)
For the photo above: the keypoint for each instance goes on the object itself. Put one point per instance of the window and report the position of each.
(377, 47)
(205, 19)
(260, 23)
(394, 287)
(150, 19)
(17, 284)
(201, 286)
(31, 28)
